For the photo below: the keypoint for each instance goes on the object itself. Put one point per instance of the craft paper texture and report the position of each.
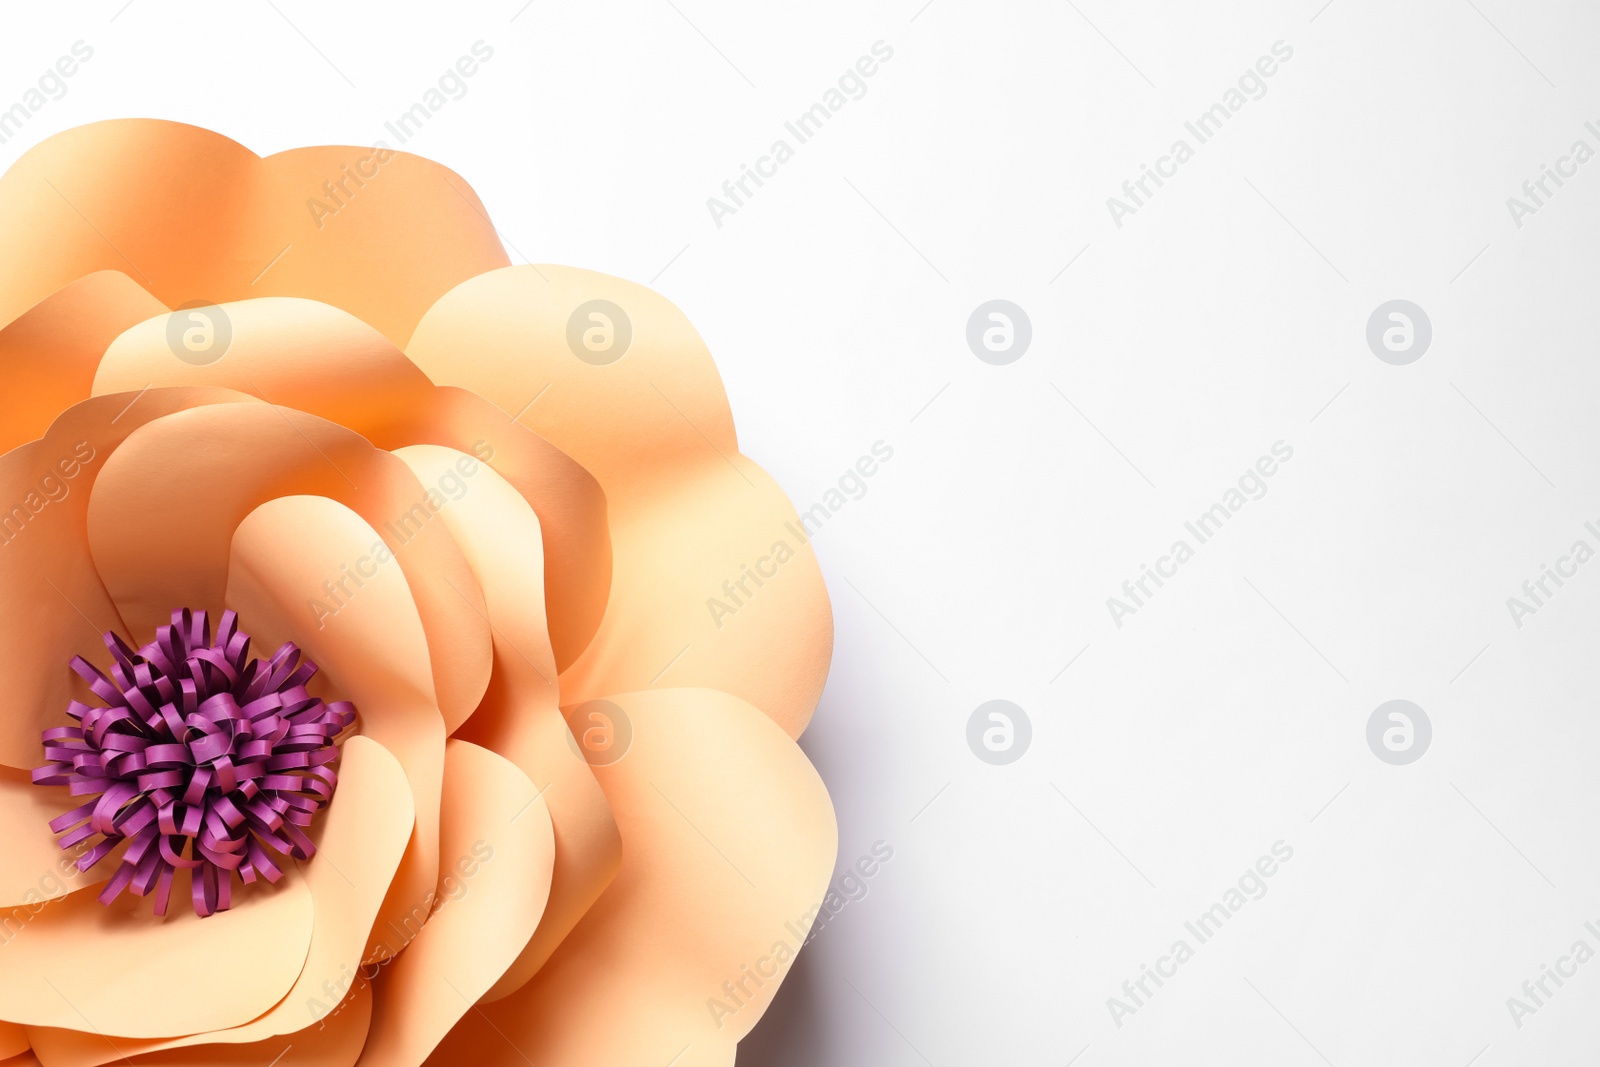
(571, 810)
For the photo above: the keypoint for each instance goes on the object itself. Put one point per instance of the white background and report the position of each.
(1227, 314)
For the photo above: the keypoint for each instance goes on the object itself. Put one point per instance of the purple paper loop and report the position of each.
(199, 758)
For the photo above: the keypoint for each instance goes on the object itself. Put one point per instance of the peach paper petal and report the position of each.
(707, 891)
(192, 215)
(33, 866)
(325, 362)
(632, 423)
(13, 1041)
(569, 502)
(520, 717)
(296, 353)
(48, 355)
(336, 1042)
(359, 844)
(372, 653)
(768, 641)
(497, 849)
(160, 541)
(45, 562)
(75, 963)
(687, 512)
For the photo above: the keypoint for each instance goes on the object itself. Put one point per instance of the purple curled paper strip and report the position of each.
(201, 758)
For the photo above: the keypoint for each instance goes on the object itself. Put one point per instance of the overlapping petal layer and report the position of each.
(703, 898)
(323, 361)
(45, 563)
(359, 847)
(375, 647)
(499, 852)
(48, 356)
(157, 540)
(519, 717)
(688, 513)
(78, 959)
(400, 463)
(193, 216)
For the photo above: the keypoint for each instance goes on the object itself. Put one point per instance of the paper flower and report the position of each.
(508, 774)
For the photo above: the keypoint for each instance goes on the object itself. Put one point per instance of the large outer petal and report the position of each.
(672, 558)
(520, 717)
(321, 360)
(192, 215)
(498, 852)
(706, 889)
(634, 423)
(687, 512)
(48, 355)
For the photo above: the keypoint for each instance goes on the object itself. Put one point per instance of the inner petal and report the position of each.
(78, 956)
(372, 646)
(155, 536)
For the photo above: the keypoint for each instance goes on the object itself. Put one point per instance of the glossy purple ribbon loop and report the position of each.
(200, 758)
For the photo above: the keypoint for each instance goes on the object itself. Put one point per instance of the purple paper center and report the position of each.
(201, 758)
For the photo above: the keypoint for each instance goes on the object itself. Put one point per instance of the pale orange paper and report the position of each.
(400, 465)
